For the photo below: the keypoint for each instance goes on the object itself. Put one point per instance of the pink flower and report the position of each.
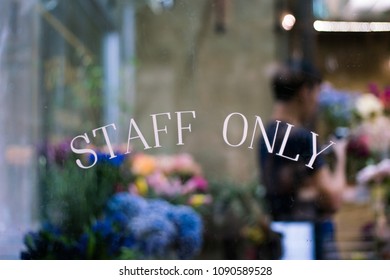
(184, 163)
(197, 183)
(377, 133)
(163, 185)
(165, 163)
(384, 95)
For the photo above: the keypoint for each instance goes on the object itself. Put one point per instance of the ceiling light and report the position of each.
(288, 22)
(350, 26)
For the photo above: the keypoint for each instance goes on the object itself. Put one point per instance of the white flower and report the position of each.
(377, 132)
(374, 172)
(367, 174)
(384, 168)
(368, 105)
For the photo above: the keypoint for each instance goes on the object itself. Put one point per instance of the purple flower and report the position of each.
(59, 153)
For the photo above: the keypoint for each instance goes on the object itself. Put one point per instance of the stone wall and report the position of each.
(183, 64)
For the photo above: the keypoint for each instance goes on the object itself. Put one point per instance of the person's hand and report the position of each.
(340, 148)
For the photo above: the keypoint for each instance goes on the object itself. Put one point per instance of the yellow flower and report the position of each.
(141, 185)
(199, 199)
(255, 234)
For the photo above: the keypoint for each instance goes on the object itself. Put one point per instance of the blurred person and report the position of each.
(294, 191)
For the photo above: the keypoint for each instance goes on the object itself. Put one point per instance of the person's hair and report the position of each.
(290, 78)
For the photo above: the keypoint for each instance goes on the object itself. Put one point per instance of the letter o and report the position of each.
(225, 128)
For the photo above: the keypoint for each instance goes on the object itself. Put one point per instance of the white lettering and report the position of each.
(83, 151)
(315, 154)
(156, 130)
(180, 127)
(264, 134)
(106, 138)
(140, 136)
(225, 128)
(284, 142)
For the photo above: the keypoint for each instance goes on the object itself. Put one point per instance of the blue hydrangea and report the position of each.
(161, 206)
(190, 230)
(155, 232)
(82, 244)
(154, 227)
(52, 229)
(119, 218)
(186, 219)
(336, 104)
(189, 245)
(106, 238)
(103, 227)
(116, 242)
(124, 206)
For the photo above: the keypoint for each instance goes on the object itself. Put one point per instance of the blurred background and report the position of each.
(68, 67)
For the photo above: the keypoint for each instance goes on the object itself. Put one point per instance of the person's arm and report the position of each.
(331, 185)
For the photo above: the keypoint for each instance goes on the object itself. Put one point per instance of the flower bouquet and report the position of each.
(365, 116)
(335, 108)
(177, 178)
(342, 109)
(131, 228)
(117, 209)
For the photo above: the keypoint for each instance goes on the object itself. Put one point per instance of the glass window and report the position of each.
(179, 129)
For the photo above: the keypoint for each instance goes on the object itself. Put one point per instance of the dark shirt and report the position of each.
(283, 178)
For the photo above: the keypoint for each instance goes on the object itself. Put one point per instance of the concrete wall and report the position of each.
(182, 64)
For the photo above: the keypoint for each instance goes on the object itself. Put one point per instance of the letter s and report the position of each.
(83, 151)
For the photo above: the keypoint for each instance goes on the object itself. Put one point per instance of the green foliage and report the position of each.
(234, 206)
(75, 90)
(128, 254)
(97, 243)
(47, 245)
(74, 196)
